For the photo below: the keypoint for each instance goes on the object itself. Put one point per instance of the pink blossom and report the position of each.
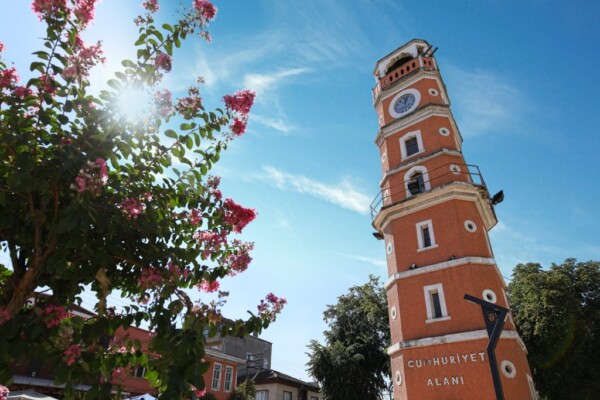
(48, 84)
(237, 216)
(199, 393)
(91, 177)
(4, 392)
(148, 196)
(210, 241)
(72, 353)
(240, 102)
(80, 63)
(238, 261)
(151, 5)
(189, 106)
(195, 217)
(8, 78)
(132, 208)
(209, 287)
(22, 92)
(271, 306)
(162, 102)
(206, 9)
(84, 11)
(66, 141)
(116, 374)
(4, 316)
(213, 182)
(2, 47)
(56, 314)
(150, 278)
(163, 61)
(46, 9)
(238, 127)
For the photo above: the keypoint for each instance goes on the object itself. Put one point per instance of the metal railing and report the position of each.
(420, 183)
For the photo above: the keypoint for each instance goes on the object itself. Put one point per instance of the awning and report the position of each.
(29, 395)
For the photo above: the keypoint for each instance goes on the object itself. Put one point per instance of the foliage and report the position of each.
(91, 199)
(557, 313)
(208, 396)
(244, 391)
(353, 364)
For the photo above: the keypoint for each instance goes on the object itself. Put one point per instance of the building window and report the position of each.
(138, 372)
(314, 398)
(262, 395)
(416, 180)
(425, 237)
(228, 378)
(531, 388)
(287, 395)
(435, 302)
(216, 378)
(411, 144)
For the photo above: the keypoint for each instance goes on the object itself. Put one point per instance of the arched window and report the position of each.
(416, 180)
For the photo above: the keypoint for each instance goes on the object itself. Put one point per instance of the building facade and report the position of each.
(274, 385)
(434, 213)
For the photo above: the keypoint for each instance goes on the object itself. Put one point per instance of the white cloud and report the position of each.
(266, 82)
(274, 123)
(484, 102)
(342, 194)
(378, 262)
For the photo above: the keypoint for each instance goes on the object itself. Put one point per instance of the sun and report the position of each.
(134, 104)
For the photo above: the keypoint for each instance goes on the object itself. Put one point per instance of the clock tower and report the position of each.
(433, 214)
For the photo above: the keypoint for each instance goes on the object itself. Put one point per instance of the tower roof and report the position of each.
(411, 49)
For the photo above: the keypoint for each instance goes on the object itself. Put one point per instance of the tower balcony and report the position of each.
(395, 75)
(423, 183)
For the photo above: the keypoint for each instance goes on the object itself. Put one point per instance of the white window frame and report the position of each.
(217, 373)
(410, 173)
(228, 383)
(420, 226)
(403, 149)
(532, 390)
(428, 291)
(291, 395)
(262, 395)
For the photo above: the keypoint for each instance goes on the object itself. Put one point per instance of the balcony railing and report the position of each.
(402, 71)
(420, 183)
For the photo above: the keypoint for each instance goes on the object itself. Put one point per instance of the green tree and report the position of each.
(557, 313)
(353, 363)
(91, 199)
(244, 391)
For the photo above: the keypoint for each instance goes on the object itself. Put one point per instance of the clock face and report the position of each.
(404, 103)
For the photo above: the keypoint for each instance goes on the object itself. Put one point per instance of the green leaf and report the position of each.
(171, 133)
(115, 84)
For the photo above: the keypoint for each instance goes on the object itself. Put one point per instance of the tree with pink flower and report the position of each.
(91, 199)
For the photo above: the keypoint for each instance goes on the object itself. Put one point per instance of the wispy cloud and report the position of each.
(277, 123)
(342, 194)
(483, 101)
(264, 83)
(378, 262)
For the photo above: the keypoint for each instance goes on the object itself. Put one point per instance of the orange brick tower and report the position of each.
(434, 213)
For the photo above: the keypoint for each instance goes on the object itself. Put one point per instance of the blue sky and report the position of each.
(521, 78)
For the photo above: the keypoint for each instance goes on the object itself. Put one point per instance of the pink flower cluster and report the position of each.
(55, 314)
(188, 106)
(205, 9)
(213, 186)
(150, 278)
(116, 374)
(4, 392)
(210, 241)
(163, 61)
(82, 61)
(199, 393)
(92, 177)
(237, 216)
(72, 353)
(271, 306)
(162, 102)
(48, 84)
(151, 5)
(177, 272)
(83, 9)
(2, 47)
(238, 261)
(195, 217)
(8, 78)
(240, 102)
(4, 316)
(209, 287)
(132, 208)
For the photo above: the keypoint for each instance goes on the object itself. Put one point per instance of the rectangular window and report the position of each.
(314, 398)
(228, 378)
(138, 372)
(262, 395)
(425, 236)
(287, 395)
(412, 146)
(435, 303)
(216, 378)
